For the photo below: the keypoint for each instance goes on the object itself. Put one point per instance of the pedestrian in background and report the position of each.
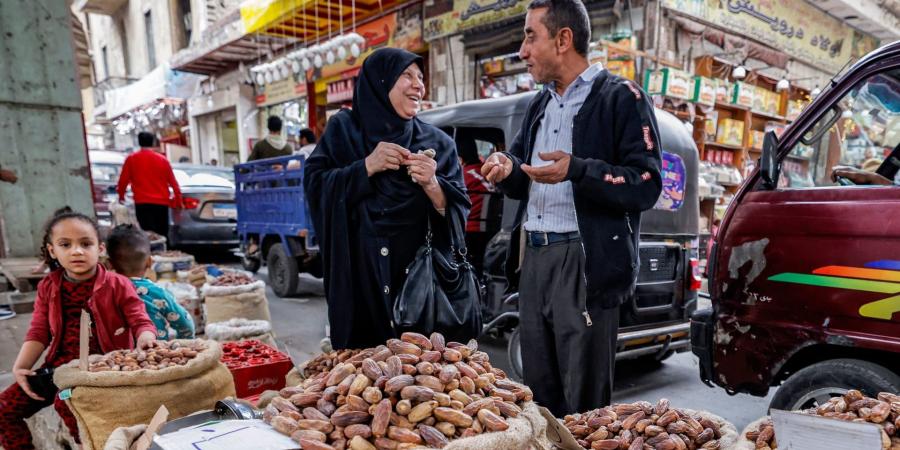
(274, 145)
(150, 176)
(371, 196)
(307, 142)
(585, 163)
(480, 192)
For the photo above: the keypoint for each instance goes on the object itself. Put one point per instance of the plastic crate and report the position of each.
(256, 367)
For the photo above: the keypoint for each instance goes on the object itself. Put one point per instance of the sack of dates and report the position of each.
(235, 295)
(413, 392)
(126, 387)
(641, 424)
(241, 330)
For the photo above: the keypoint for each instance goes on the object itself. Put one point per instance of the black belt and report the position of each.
(540, 239)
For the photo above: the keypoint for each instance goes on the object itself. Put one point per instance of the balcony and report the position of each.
(105, 7)
(103, 87)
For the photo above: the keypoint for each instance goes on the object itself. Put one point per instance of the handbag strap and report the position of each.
(457, 234)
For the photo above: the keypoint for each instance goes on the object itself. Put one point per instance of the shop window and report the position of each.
(151, 47)
(859, 131)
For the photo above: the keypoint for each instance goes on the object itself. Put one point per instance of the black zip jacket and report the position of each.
(615, 174)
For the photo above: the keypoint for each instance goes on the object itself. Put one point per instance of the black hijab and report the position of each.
(371, 100)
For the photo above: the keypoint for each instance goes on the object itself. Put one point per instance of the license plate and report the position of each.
(225, 211)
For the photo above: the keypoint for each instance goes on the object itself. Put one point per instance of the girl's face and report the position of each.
(75, 244)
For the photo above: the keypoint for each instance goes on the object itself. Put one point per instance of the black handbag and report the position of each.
(441, 293)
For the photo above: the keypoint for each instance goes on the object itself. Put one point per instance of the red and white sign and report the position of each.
(340, 91)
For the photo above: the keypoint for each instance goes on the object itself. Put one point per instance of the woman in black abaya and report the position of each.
(371, 195)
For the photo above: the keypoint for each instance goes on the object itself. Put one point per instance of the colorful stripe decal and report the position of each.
(882, 309)
(858, 272)
(885, 264)
(841, 283)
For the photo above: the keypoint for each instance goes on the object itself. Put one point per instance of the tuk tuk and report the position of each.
(655, 322)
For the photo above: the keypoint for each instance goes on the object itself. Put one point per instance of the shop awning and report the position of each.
(309, 19)
(224, 46)
(160, 83)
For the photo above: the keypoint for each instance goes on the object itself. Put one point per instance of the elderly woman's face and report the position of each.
(408, 91)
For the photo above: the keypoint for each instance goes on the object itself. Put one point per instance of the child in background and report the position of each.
(118, 321)
(129, 253)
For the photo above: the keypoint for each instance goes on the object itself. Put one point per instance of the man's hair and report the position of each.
(274, 124)
(308, 134)
(128, 248)
(146, 139)
(184, 159)
(567, 14)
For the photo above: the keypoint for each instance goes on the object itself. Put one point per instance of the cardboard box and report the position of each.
(794, 108)
(743, 94)
(723, 91)
(730, 132)
(756, 139)
(705, 90)
(670, 82)
(711, 123)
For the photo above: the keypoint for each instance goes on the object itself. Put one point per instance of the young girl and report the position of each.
(118, 321)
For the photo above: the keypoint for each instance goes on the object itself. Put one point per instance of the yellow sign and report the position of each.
(259, 14)
(795, 28)
(281, 91)
(467, 14)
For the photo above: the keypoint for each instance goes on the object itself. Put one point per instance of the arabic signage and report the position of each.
(280, 91)
(401, 30)
(796, 28)
(441, 20)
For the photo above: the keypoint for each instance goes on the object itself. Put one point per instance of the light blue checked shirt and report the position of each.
(551, 207)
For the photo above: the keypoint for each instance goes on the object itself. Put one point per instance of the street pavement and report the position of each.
(299, 323)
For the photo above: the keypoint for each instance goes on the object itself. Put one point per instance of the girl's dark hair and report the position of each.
(59, 215)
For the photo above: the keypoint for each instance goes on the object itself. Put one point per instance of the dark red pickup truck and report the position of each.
(805, 270)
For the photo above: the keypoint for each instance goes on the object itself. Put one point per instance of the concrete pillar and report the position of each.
(41, 125)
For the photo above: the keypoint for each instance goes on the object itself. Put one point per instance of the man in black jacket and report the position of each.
(585, 163)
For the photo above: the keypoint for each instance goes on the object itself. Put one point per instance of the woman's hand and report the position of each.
(422, 169)
(146, 340)
(22, 380)
(386, 156)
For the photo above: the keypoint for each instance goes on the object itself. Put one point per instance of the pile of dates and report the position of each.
(413, 392)
(233, 279)
(324, 362)
(642, 426)
(160, 356)
(852, 407)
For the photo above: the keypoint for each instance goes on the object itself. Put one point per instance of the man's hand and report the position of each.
(22, 379)
(146, 340)
(496, 168)
(422, 168)
(386, 156)
(8, 176)
(552, 174)
(859, 176)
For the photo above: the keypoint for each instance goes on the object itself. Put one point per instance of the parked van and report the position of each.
(804, 274)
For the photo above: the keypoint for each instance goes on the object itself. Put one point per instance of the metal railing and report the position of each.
(110, 83)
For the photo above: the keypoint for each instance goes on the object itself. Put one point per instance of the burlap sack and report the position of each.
(186, 295)
(165, 264)
(104, 401)
(241, 329)
(729, 432)
(742, 442)
(125, 437)
(526, 432)
(223, 303)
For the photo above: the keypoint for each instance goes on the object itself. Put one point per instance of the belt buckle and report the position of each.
(546, 239)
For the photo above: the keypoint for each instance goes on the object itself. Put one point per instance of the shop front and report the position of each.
(286, 99)
(222, 120)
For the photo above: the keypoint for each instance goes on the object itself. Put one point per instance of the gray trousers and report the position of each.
(567, 363)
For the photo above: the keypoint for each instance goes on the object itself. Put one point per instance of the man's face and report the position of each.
(539, 49)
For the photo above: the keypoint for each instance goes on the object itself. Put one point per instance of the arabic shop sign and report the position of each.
(795, 28)
(442, 20)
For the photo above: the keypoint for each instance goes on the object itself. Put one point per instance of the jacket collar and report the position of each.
(100, 282)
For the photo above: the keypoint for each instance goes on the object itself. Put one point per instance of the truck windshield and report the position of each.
(867, 130)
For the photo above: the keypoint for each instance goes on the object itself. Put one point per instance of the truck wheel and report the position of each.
(514, 353)
(250, 264)
(814, 385)
(283, 271)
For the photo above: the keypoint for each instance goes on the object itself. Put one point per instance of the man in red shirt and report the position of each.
(479, 190)
(150, 176)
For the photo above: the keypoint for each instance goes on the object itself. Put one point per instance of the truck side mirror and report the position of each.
(769, 167)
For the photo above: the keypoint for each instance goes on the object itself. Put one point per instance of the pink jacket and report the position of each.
(118, 312)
